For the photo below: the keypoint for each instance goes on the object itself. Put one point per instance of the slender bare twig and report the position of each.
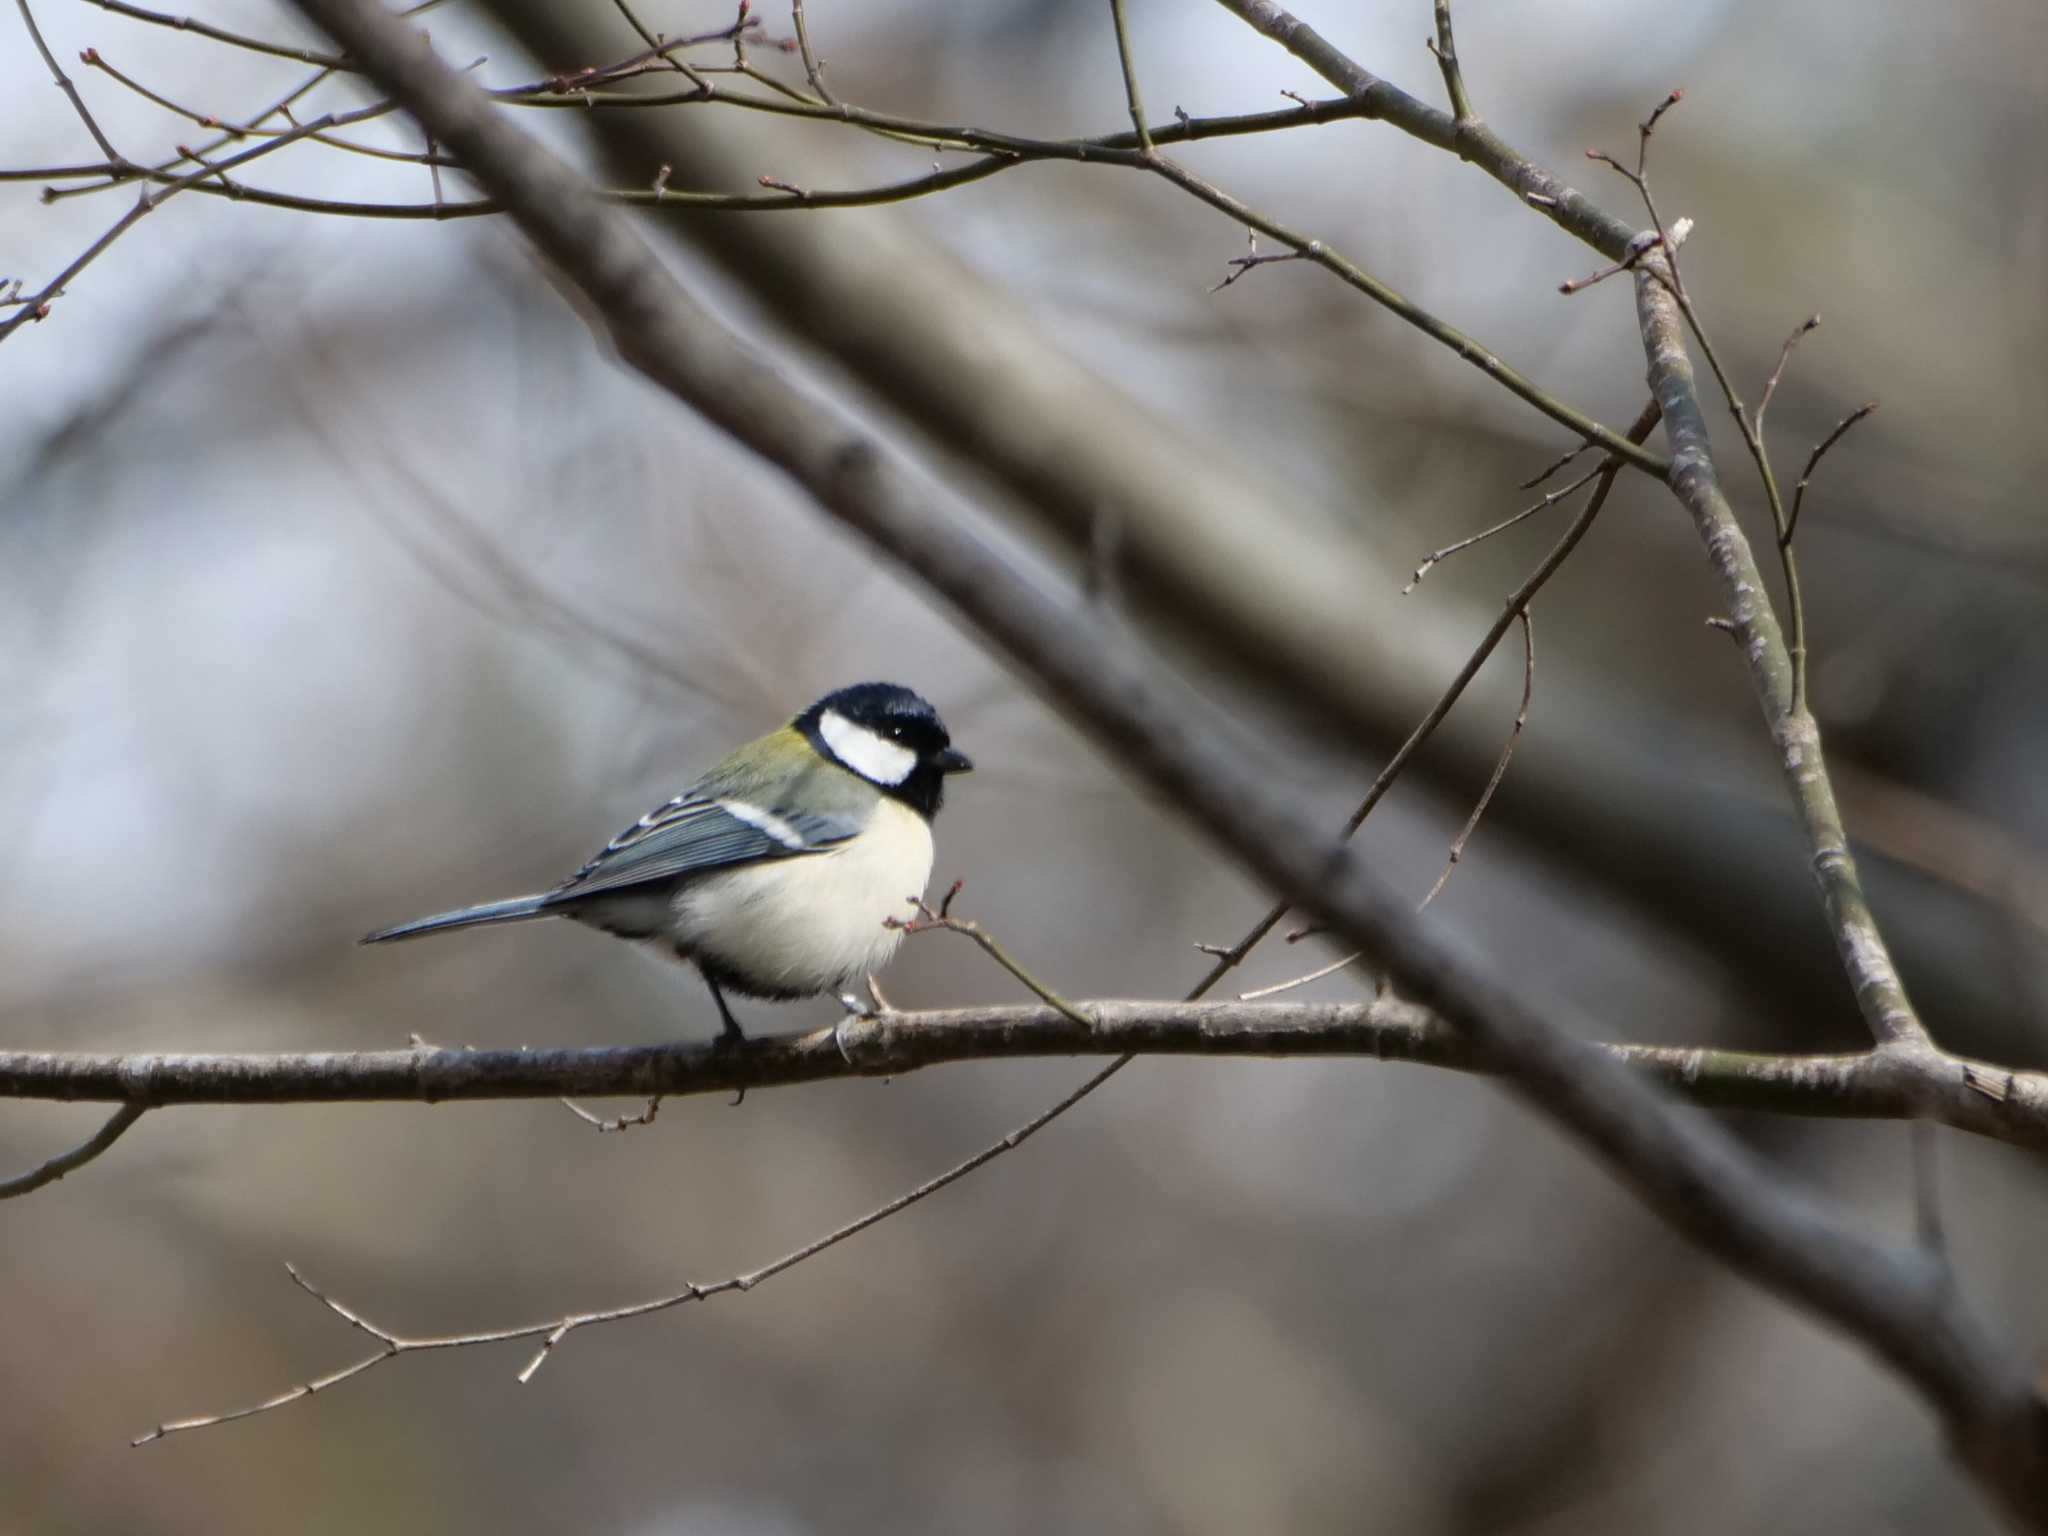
(930, 918)
(149, 201)
(1800, 332)
(1500, 769)
(1253, 259)
(1813, 462)
(814, 68)
(1553, 467)
(97, 60)
(116, 176)
(1137, 150)
(656, 43)
(327, 61)
(63, 83)
(1446, 52)
(1014, 152)
(1517, 603)
(1437, 556)
(1463, 346)
(1132, 97)
(53, 1170)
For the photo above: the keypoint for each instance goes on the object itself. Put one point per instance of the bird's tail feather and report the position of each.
(517, 909)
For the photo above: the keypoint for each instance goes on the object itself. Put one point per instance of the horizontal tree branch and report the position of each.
(1973, 1096)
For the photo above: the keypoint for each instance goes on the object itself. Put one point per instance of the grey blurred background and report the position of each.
(342, 577)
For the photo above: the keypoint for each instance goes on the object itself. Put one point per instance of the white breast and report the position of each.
(814, 923)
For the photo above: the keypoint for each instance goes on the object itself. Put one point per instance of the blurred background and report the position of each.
(343, 577)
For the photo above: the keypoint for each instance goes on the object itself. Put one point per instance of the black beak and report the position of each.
(950, 761)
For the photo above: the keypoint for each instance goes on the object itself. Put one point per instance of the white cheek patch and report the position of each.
(765, 821)
(873, 757)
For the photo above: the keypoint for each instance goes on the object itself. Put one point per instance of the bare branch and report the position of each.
(1446, 52)
(656, 45)
(1865, 956)
(1866, 1086)
(1983, 1098)
(1500, 769)
(1132, 98)
(55, 1169)
(1813, 462)
(63, 83)
(1437, 556)
(327, 61)
(148, 202)
(1800, 332)
(814, 67)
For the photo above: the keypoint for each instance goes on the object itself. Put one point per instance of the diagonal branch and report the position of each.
(50, 1172)
(1773, 671)
(63, 83)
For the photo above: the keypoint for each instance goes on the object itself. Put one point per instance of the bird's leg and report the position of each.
(733, 1034)
(731, 1037)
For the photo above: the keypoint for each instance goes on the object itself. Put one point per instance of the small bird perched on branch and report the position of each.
(778, 871)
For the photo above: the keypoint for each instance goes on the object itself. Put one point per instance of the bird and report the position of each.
(778, 872)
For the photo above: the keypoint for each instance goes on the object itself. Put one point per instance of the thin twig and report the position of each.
(1517, 604)
(1240, 265)
(655, 42)
(63, 83)
(1813, 462)
(1553, 467)
(149, 201)
(1436, 557)
(117, 175)
(1446, 53)
(814, 68)
(930, 918)
(1132, 98)
(53, 1170)
(327, 61)
(93, 57)
(1800, 332)
(1127, 150)
(1500, 768)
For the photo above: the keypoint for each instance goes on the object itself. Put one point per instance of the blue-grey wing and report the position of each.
(695, 832)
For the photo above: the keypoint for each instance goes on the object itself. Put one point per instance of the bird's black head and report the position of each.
(889, 736)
